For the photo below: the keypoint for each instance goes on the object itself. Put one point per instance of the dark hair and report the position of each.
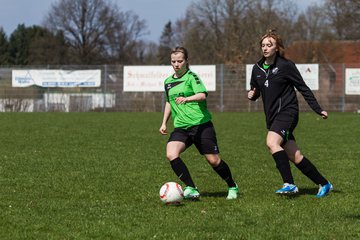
(183, 51)
(279, 43)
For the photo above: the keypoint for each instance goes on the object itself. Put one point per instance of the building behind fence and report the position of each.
(230, 94)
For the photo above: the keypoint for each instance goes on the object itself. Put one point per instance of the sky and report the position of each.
(156, 13)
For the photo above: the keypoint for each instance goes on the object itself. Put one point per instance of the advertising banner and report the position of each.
(310, 74)
(352, 81)
(56, 78)
(151, 78)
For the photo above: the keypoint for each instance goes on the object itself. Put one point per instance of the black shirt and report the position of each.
(276, 87)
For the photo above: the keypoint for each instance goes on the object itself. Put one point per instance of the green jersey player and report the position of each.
(186, 103)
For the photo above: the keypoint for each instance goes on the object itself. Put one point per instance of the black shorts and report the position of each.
(284, 125)
(203, 136)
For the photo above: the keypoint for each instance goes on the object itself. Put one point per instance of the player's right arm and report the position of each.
(253, 94)
(167, 113)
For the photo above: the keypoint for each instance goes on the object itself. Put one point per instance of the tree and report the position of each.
(320, 26)
(95, 29)
(124, 44)
(36, 45)
(150, 56)
(166, 44)
(218, 31)
(4, 48)
(47, 48)
(344, 17)
(19, 44)
(311, 25)
(204, 37)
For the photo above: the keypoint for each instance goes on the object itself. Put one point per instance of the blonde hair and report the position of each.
(279, 43)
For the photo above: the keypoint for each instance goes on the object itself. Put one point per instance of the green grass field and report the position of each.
(98, 175)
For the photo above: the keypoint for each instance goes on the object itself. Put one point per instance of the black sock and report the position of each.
(309, 170)
(283, 165)
(182, 171)
(224, 172)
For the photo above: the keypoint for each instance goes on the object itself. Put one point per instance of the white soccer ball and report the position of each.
(171, 193)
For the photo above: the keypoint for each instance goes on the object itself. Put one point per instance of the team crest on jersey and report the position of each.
(275, 70)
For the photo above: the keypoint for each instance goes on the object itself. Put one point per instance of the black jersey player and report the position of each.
(275, 78)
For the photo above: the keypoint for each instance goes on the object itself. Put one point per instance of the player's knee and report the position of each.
(273, 146)
(213, 160)
(171, 156)
(295, 157)
(213, 163)
(298, 157)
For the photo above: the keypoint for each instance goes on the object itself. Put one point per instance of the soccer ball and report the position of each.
(171, 193)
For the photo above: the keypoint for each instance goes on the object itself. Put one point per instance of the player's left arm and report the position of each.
(198, 97)
(299, 83)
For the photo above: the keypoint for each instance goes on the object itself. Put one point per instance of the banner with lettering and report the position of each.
(151, 78)
(56, 78)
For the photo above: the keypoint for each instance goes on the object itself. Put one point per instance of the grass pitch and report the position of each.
(98, 175)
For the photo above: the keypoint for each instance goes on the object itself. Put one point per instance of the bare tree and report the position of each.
(213, 28)
(344, 17)
(224, 31)
(124, 40)
(199, 31)
(310, 27)
(311, 24)
(94, 29)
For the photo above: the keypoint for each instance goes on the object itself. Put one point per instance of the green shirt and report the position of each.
(265, 66)
(191, 113)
